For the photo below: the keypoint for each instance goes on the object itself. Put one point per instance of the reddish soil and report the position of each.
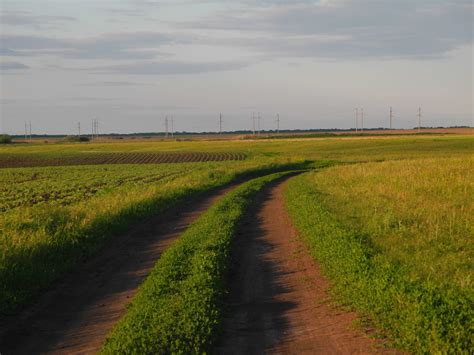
(279, 300)
(76, 315)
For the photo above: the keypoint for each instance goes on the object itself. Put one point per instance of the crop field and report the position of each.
(388, 219)
(12, 161)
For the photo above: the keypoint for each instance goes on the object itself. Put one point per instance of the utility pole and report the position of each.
(94, 128)
(362, 119)
(357, 119)
(391, 117)
(253, 123)
(172, 126)
(27, 130)
(419, 119)
(220, 123)
(278, 123)
(258, 123)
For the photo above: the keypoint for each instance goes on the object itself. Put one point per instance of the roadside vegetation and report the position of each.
(395, 239)
(178, 307)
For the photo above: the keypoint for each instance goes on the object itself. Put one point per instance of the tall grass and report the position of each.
(395, 238)
(418, 213)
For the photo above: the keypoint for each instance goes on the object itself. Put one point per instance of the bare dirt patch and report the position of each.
(279, 300)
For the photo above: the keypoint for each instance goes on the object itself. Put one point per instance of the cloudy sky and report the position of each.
(129, 63)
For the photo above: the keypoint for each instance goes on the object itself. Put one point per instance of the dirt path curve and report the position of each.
(77, 314)
(278, 300)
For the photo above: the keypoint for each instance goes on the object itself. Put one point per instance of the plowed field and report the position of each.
(17, 161)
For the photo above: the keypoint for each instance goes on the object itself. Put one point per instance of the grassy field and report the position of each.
(341, 149)
(419, 213)
(396, 240)
(391, 222)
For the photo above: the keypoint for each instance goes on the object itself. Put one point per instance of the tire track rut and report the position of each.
(278, 300)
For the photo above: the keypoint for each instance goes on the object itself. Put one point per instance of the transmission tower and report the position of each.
(172, 126)
(391, 117)
(220, 123)
(94, 129)
(419, 119)
(166, 126)
(362, 119)
(278, 122)
(253, 123)
(357, 119)
(258, 122)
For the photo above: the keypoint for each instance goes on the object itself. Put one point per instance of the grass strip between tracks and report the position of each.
(178, 307)
(419, 316)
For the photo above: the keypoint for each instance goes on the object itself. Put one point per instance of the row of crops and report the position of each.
(64, 186)
(29, 160)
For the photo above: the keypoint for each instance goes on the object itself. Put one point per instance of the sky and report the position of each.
(131, 63)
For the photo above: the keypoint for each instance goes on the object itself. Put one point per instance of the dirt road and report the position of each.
(278, 299)
(77, 314)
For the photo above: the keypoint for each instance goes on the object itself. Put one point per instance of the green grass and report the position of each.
(343, 149)
(395, 239)
(178, 307)
(42, 241)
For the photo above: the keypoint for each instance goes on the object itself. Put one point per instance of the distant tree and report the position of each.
(5, 139)
(76, 139)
